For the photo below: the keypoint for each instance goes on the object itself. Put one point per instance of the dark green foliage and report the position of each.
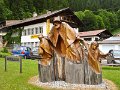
(4, 50)
(20, 9)
(5, 13)
(89, 20)
(105, 15)
(118, 17)
(100, 19)
(100, 23)
(13, 39)
(95, 14)
(7, 37)
(3, 55)
(80, 15)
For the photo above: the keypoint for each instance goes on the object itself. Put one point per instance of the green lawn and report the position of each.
(13, 80)
(113, 74)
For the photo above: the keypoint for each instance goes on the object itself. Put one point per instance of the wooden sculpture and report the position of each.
(45, 51)
(65, 56)
(94, 55)
(65, 41)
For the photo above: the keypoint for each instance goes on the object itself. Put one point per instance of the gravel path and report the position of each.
(61, 85)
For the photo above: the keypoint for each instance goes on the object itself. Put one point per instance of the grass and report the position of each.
(13, 80)
(113, 74)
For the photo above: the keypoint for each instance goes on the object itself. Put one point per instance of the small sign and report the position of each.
(13, 58)
(34, 36)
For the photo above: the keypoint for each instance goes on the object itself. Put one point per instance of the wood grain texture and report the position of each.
(62, 69)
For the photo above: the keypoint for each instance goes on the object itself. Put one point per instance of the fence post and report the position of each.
(20, 64)
(5, 63)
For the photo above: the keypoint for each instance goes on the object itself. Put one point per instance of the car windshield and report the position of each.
(19, 48)
(35, 49)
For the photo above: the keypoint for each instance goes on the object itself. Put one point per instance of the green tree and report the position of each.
(110, 19)
(104, 15)
(113, 20)
(118, 17)
(100, 23)
(89, 20)
(9, 39)
(20, 8)
(80, 15)
(5, 12)
(39, 5)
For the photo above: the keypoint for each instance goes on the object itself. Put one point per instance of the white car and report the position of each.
(35, 54)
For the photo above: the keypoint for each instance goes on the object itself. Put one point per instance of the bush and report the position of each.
(3, 55)
(4, 50)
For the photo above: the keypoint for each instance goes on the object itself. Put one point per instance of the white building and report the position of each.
(110, 43)
(39, 24)
(95, 35)
(30, 34)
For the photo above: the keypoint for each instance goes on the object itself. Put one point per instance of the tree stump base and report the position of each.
(64, 70)
(46, 73)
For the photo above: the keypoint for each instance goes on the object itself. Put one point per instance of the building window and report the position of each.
(32, 31)
(40, 29)
(36, 30)
(28, 44)
(24, 33)
(32, 44)
(96, 39)
(36, 44)
(24, 44)
(87, 39)
(28, 31)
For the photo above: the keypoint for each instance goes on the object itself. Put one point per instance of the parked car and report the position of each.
(114, 57)
(34, 54)
(22, 51)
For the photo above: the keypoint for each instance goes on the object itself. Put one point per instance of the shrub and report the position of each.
(4, 50)
(3, 55)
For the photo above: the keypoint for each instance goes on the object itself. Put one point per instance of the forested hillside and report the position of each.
(95, 14)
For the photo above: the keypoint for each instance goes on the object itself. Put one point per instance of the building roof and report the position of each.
(44, 17)
(91, 33)
(111, 40)
(103, 34)
(11, 22)
(114, 38)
